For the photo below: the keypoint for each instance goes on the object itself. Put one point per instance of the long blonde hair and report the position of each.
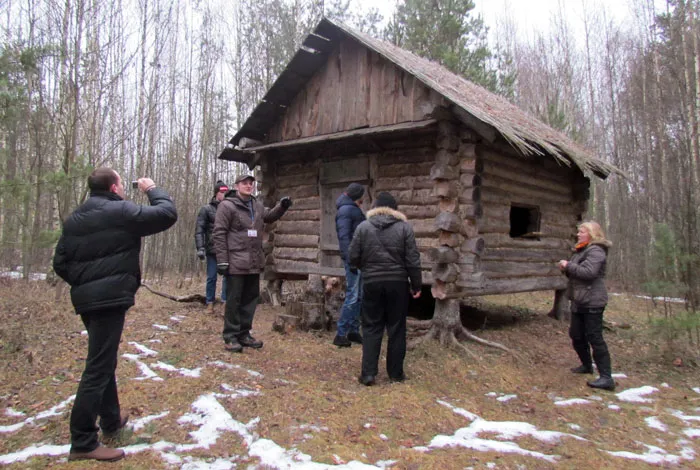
(594, 230)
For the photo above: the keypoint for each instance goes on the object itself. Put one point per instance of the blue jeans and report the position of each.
(211, 281)
(349, 321)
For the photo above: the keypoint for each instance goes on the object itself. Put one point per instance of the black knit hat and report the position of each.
(355, 191)
(385, 199)
(219, 186)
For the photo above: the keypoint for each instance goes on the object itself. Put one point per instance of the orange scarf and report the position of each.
(581, 246)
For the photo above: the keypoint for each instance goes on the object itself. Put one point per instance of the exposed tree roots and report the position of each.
(450, 337)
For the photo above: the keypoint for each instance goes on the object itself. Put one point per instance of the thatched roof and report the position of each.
(476, 106)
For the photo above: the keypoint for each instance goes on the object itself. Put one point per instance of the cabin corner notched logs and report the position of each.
(448, 267)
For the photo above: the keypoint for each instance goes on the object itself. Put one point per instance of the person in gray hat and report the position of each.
(348, 217)
(238, 244)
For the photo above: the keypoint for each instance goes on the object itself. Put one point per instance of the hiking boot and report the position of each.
(582, 369)
(605, 383)
(110, 435)
(233, 346)
(342, 341)
(367, 380)
(248, 341)
(355, 337)
(101, 453)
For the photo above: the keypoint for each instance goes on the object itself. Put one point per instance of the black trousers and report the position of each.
(242, 293)
(384, 305)
(97, 392)
(586, 332)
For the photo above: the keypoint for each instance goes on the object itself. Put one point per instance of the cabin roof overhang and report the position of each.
(248, 154)
(489, 115)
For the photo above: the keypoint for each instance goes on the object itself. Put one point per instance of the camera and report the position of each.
(135, 184)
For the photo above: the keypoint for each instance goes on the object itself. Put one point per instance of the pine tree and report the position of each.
(447, 32)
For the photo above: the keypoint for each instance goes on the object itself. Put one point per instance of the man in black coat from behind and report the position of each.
(384, 249)
(205, 243)
(98, 255)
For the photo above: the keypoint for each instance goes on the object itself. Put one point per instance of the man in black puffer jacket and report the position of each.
(205, 243)
(384, 249)
(98, 255)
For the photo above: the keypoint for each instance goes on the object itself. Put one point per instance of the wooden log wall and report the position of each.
(405, 173)
(295, 237)
(402, 168)
(447, 224)
(494, 180)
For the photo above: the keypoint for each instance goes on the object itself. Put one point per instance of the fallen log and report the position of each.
(182, 298)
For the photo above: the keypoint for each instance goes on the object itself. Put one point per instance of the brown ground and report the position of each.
(306, 381)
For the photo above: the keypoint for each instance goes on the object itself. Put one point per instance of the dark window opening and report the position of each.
(524, 222)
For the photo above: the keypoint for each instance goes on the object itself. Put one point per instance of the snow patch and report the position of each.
(635, 395)
(140, 423)
(572, 401)
(180, 370)
(143, 349)
(655, 423)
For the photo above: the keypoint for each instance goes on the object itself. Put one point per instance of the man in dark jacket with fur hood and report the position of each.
(205, 244)
(347, 219)
(98, 255)
(238, 243)
(384, 248)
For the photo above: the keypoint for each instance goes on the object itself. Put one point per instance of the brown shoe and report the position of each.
(210, 308)
(101, 453)
(113, 434)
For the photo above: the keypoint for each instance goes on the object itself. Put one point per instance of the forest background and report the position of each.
(157, 87)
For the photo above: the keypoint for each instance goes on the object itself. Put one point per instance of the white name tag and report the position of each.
(252, 233)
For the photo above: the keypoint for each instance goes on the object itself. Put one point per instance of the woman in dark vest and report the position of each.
(586, 273)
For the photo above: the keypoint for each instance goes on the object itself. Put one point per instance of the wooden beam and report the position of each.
(367, 131)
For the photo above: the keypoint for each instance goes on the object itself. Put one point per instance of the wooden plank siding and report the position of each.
(355, 88)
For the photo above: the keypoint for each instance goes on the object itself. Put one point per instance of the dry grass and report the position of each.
(305, 381)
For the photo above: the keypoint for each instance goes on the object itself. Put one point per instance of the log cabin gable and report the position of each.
(356, 88)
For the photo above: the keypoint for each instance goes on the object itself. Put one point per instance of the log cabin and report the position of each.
(493, 194)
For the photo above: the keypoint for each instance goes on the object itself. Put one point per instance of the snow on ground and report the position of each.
(147, 372)
(143, 349)
(655, 423)
(572, 401)
(180, 370)
(13, 413)
(208, 420)
(140, 423)
(657, 456)
(502, 397)
(636, 395)
(467, 437)
(56, 410)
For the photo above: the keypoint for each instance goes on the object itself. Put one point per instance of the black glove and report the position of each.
(201, 254)
(286, 202)
(222, 268)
